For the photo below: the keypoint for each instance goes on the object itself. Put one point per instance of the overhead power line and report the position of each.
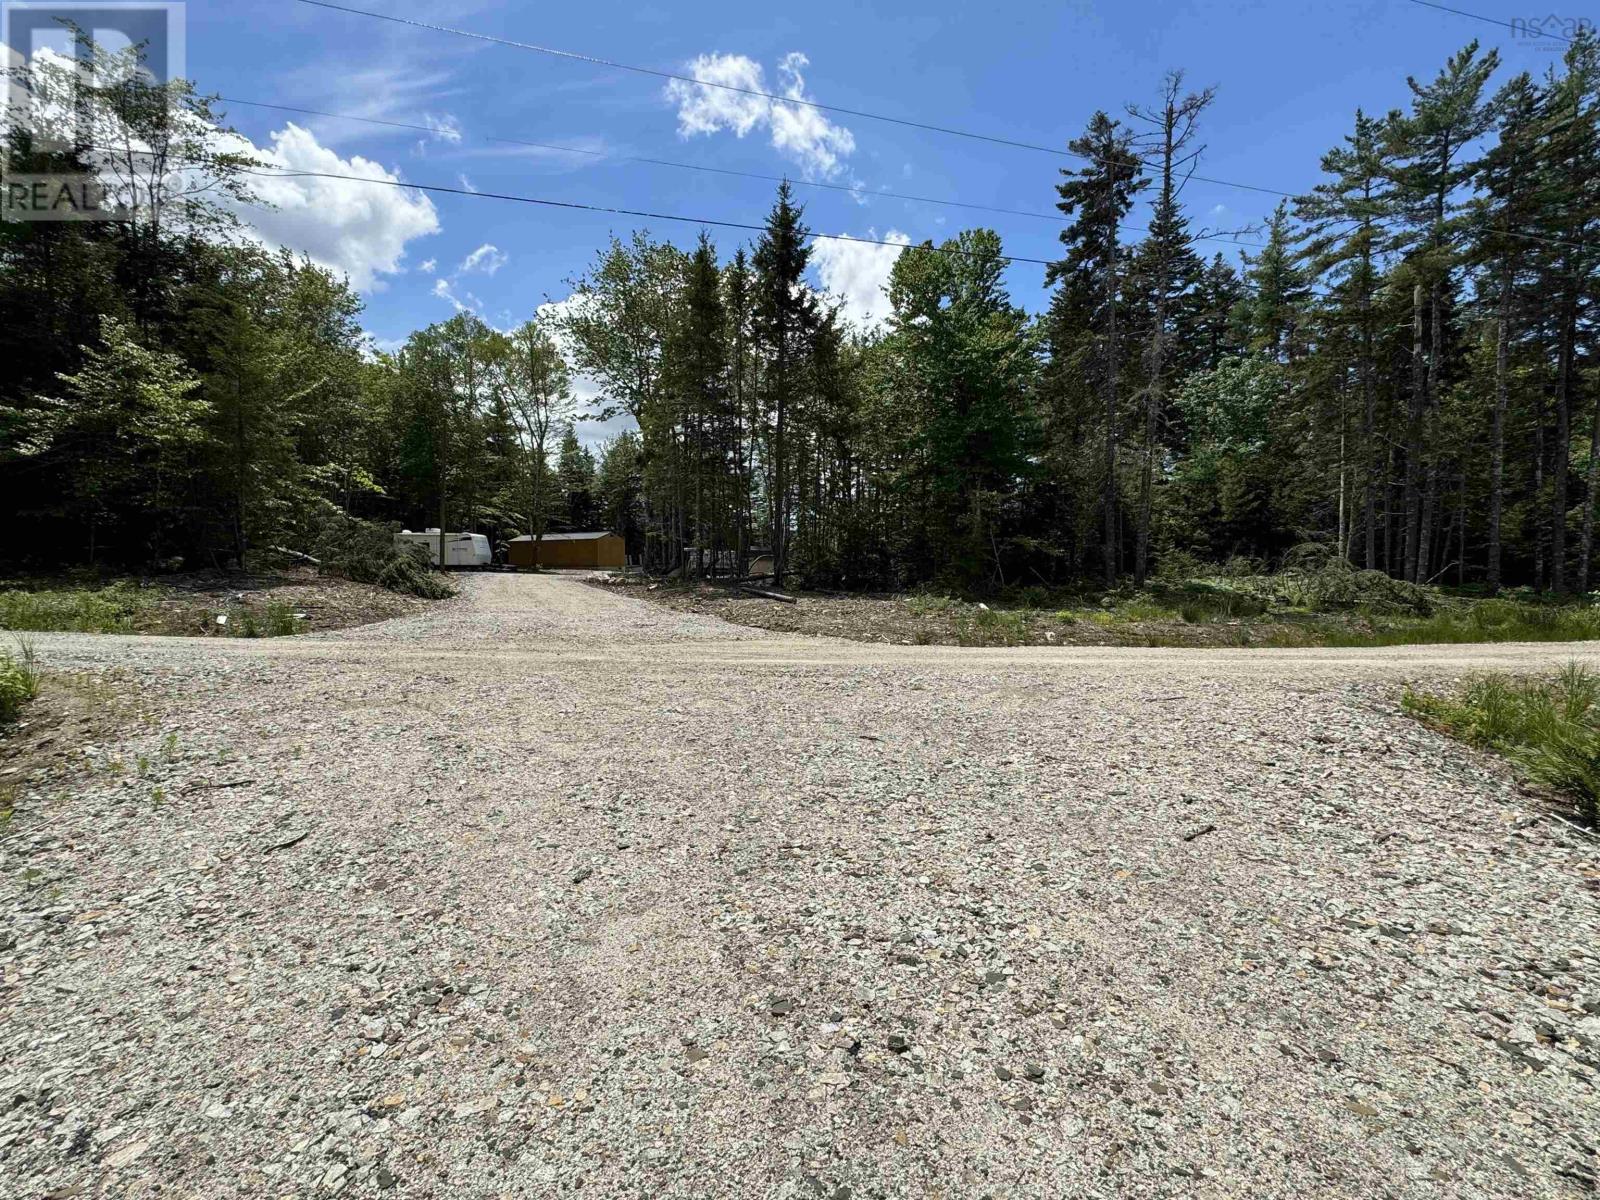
(1523, 27)
(926, 126)
(854, 190)
(621, 212)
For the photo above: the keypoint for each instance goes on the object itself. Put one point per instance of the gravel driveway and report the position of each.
(549, 892)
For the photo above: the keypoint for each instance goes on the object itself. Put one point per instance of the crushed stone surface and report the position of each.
(547, 892)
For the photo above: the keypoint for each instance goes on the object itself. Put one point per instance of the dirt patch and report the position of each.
(318, 602)
(910, 620)
(74, 712)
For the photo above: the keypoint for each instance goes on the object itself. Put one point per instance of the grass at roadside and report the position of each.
(19, 681)
(110, 609)
(202, 604)
(128, 607)
(1333, 607)
(1548, 726)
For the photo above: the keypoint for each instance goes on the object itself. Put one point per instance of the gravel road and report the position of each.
(548, 892)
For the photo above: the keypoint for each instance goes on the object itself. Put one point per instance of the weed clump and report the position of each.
(1549, 727)
(19, 682)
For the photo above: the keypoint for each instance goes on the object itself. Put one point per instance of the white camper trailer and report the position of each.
(460, 549)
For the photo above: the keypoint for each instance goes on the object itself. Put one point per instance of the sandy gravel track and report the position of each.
(549, 892)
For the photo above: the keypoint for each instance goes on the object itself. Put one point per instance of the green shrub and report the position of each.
(991, 627)
(1549, 727)
(1318, 580)
(19, 682)
(109, 609)
(281, 620)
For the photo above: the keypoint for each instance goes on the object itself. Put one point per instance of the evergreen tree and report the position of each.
(785, 321)
(1091, 279)
(1345, 228)
(1165, 269)
(1426, 152)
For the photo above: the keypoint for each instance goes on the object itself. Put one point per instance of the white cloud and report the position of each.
(428, 265)
(357, 229)
(466, 184)
(445, 289)
(856, 272)
(353, 227)
(800, 133)
(372, 345)
(487, 258)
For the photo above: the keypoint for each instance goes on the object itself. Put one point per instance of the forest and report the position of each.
(1403, 372)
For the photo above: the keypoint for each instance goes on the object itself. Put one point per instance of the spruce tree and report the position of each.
(1097, 196)
(785, 320)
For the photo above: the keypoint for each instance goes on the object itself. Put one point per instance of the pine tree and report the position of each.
(697, 365)
(1166, 268)
(1568, 263)
(1345, 228)
(1098, 196)
(1427, 151)
(575, 469)
(785, 320)
(1508, 208)
(1275, 292)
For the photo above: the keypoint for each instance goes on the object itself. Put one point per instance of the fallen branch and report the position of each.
(1204, 829)
(765, 595)
(296, 555)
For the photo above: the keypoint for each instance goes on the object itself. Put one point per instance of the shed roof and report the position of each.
(568, 537)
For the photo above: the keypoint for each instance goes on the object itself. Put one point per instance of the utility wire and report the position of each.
(744, 91)
(597, 208)
(1522, 27)
(683, 166)
(435, 130)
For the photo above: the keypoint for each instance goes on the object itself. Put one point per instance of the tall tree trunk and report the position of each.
(1414, 418)
(1497, 444)
(1586, 538)
(1430, 505)
(1541, 510)
(1369, 425)
(780, 500)
(1109, 383)
(1561, 452)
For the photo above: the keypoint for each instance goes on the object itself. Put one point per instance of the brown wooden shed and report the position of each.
(598, 550)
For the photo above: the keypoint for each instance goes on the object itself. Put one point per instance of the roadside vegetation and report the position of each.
(1548, 726)
(1399, 370)
(1314, 599)
(207, 604)
(19, 682)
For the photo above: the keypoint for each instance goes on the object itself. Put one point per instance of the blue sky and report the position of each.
(1289, 77)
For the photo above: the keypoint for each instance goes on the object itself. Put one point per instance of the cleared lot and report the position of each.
(551, 892)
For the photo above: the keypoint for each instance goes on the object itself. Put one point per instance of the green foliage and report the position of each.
(111, 609)
(1316, 579)
(1403, 375)
(1491, 621)
(19, 682)
(1549, 727)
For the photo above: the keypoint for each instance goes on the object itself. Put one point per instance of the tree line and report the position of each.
(1403, 370)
